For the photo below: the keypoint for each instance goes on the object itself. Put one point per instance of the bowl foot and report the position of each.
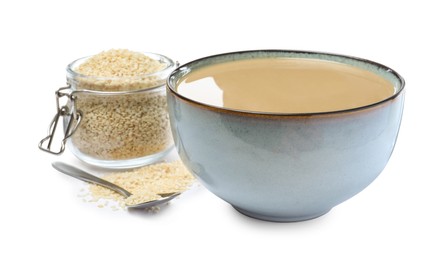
(279, 218)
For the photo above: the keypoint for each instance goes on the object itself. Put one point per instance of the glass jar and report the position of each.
(117, 122)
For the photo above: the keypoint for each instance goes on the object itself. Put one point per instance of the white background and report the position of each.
(41, 216)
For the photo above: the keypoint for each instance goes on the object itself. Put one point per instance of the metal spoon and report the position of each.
(87, 177)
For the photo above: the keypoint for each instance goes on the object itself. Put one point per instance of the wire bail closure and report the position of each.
(67, 112)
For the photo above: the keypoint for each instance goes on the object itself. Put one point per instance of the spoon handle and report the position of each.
(82, 175)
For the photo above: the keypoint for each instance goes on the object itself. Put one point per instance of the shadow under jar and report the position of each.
(124, 120)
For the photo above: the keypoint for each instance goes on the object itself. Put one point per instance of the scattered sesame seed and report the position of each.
(145, 184)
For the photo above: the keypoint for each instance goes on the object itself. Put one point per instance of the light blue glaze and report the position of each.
(285, 168)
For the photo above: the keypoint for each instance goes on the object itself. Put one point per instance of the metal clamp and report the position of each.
(66, 112)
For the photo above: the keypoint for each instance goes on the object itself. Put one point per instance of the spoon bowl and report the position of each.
(87, 177)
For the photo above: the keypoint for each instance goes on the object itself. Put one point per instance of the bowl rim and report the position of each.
(183, 69)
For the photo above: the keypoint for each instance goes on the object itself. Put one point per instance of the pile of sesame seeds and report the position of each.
(119, 70)
(144, 183)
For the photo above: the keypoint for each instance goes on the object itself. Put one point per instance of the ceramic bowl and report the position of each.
(285, 167)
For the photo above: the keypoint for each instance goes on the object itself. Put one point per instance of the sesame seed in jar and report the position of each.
(124, 116)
